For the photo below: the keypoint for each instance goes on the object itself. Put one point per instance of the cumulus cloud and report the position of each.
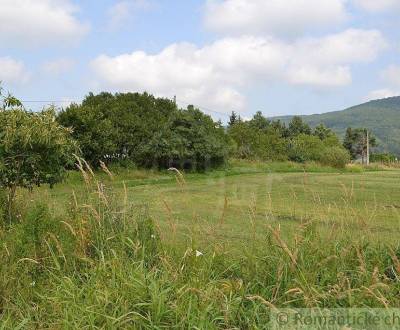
(278, 17)
(383, 93)
(378, 5)
(121, 12)
(215, 74)
(58, 66)
(391, 78)
(12, 71)
(39, 22)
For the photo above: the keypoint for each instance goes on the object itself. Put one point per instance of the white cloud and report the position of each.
(58, 66)
(215, 74)
(12, 71)
(123, 11)
(391, 78)
(378, 5)
(278, 17)
(383, 93)
(39, 22)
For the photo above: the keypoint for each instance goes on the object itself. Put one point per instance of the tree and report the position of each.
(145, 130)
(34, 149)
(323, 132)
(297, 126)
(114, 127)
(233, 119)
(356, 142)
(190, 140)
(259, 121)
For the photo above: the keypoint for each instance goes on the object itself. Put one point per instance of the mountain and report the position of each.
(382, 117)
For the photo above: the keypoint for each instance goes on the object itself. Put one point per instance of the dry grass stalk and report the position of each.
(262, 300)
(180, 179)
(283, 245)
(106, 170)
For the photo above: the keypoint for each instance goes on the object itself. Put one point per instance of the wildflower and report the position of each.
(153, 236)
(198, 253)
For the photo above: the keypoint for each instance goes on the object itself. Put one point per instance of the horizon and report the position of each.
(231, 55)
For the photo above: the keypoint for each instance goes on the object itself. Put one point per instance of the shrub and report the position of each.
(34, 150)
(305, 148)
(335, 156)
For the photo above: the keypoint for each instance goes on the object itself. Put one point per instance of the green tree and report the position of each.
(355, 141)
(148, 131)
(233, 119)
(323, 132)
(190, 140)
(34, 149)
(259, 121)
(111, 127)
(297, 126)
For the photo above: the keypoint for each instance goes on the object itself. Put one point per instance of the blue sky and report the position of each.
(275, 56)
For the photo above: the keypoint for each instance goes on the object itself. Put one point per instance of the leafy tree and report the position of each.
(297, 126)
(190, 140)
(146, 130)
(259, 121)
(114, 127)
(323, 132)
(355, 142)
(233, 119)
(34, 149)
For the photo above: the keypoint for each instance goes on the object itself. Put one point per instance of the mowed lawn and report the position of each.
(242, 204)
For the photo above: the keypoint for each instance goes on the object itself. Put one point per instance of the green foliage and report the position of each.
(110, 260)
(34, 149)
(382, 117)
(355, 141)
(383, 158)
(323, 132)
(262, 139)
(190, 139)
(148, 131)
(305, 148)
(297, 126)
(337, 157)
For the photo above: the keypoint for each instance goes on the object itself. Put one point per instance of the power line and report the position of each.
(203, 108)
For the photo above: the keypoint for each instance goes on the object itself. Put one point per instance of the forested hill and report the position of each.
(382, 117)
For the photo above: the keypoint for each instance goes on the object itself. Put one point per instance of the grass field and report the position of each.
(229, 203)
(143, 249)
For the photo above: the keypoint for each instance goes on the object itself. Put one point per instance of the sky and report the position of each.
(280, 57)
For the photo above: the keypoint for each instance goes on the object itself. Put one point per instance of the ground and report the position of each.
(240, 201)
(145, 249)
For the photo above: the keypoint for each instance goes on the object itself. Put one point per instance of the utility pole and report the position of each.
(367, 147)
(175, 99)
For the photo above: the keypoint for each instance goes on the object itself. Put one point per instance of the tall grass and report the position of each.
(107, 264)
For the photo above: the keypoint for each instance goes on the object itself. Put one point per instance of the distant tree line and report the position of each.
(260, 138)
(154, 132)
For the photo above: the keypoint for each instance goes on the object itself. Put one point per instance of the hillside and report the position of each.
(382, 117)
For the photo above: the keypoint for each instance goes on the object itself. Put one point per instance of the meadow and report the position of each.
(131, 248)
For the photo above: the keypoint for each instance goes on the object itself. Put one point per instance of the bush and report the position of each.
(306, 148)
(335, 156)
(149, 131)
